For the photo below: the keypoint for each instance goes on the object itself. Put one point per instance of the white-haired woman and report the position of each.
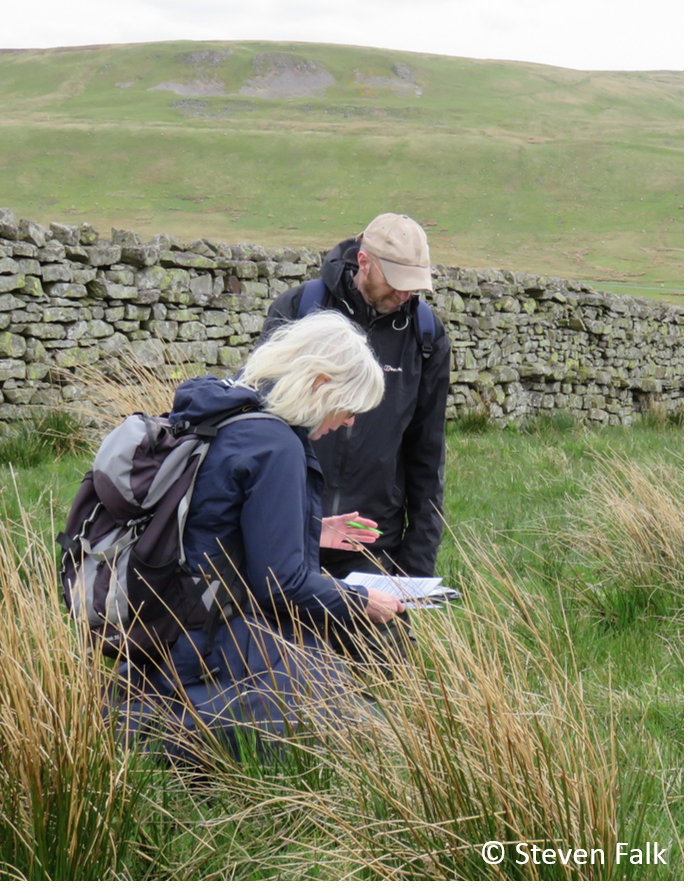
(257, 498)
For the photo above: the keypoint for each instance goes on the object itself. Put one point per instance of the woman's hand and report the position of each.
(382, 606)
(337, 533)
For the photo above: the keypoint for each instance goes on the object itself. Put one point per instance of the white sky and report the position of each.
(580, 34)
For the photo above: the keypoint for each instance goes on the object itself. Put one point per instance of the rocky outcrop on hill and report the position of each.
(522, 344)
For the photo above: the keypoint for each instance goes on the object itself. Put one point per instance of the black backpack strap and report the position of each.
(425, 328)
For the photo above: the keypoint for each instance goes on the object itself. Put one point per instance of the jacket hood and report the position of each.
(341, 263)
(205, 396)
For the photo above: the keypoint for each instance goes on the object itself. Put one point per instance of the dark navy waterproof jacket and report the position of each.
(260, 482)
(390, 465)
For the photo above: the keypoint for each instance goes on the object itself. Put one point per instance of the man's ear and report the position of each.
(320, 380)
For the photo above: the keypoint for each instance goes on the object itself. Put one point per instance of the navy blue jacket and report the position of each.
(260, 482)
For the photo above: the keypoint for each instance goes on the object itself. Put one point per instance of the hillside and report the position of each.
(507, 164)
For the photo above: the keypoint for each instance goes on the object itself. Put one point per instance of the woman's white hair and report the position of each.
(313, 367)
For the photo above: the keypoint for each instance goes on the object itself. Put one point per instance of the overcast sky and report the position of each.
(581, 34)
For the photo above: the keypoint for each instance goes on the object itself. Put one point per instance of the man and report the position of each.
(390, 464)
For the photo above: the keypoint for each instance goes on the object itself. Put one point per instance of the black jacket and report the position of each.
(389, 466)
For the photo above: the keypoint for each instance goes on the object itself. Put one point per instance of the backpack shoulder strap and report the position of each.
(311, 297)
(425, 328)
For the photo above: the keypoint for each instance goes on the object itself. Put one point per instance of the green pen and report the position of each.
(353, 524)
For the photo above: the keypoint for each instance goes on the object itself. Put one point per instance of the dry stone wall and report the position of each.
(522, 344)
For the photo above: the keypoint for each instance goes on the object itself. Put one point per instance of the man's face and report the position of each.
(376, 291)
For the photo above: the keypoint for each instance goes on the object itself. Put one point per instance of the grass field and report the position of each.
(545, 708)
(508, 165)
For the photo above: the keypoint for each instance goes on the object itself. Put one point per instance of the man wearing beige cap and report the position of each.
(390, 464)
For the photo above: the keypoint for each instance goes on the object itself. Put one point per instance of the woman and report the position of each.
(260, 486)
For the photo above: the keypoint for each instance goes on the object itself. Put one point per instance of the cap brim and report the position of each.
(406, 279)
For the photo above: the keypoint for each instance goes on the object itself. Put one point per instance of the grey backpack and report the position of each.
(123, 568)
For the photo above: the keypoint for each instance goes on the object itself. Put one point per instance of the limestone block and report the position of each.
(77, 332)
(198, 351)
(46, 331)
(12, 282)
(77, 253)
(32, 232)
(23, 250)
(534, 370)
(36, 372)
(99, 329)
(598, 415)
(12, 345)
(149, 353)
(201, 285)
(53, 252)
(103, 254)
(65, 233)
(12, 301)
(245, 269)
(141, 255)
(9, 265)
(201, 247)
(254, 289)
(102, 288)
(214, 317)
(285, 268)
(12, 368)
(267, 269)
(166, 330)
(180, 314)
(9, 224)
(66, 290)
(504, 374)
(187, 259)
(125, 237)
(56, 273)
(251, 323)
(466, 375)
(192, 331)
(87, 234)
(114, 346)
(62, 314)
(83, 275)
(123, 276)
(136, 311)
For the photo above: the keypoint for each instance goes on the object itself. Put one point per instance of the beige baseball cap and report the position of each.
(401, 247)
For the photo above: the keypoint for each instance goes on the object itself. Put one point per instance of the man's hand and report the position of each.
(337, 533)
(382, 606)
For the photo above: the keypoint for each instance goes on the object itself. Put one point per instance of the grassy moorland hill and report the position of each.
(507, 164)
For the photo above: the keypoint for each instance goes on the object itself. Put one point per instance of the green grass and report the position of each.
(546, 707)
(508, 165)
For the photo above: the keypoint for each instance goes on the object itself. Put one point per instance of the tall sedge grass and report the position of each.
(629, 530)
(484, 736)
(68, 800)
(489, 734)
